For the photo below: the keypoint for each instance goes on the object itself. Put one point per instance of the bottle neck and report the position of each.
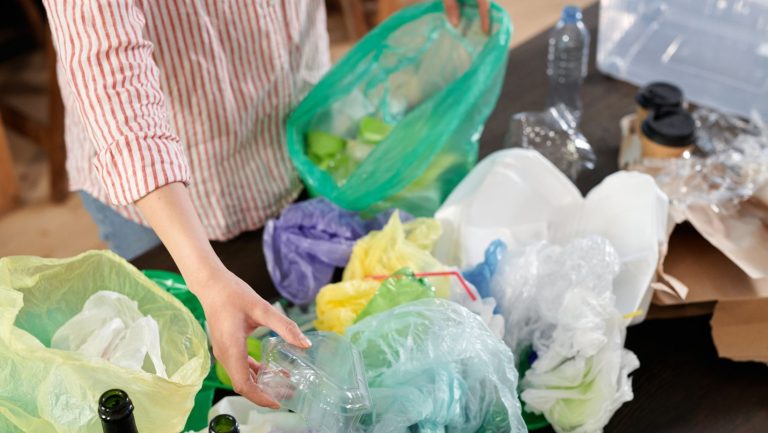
(123, 425)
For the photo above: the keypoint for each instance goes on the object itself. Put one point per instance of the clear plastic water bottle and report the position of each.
(567, 59)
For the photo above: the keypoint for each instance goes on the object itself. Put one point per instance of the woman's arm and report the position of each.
(233, 310)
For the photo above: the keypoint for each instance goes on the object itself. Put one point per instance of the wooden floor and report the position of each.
(38, 227)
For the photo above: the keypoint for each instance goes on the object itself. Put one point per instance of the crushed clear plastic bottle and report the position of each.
(567, 60)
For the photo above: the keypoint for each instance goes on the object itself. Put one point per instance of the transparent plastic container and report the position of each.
(715, 50)
(325, 384)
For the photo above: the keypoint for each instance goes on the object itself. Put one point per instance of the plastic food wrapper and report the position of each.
(481, 275)
(498, 201)
(554, 134)
(111, 327)
(721, 190)
(308, 242)
(325, 384)
(434, 83)
(559, 301)
(37, 297)
(339, 304)
(256, 419)
(396, 246)
(433, 366)
(731, 167)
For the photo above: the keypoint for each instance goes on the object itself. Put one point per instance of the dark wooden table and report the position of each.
(681, 385)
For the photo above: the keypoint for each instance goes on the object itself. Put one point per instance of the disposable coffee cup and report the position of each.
(656, 96)
(667, 133)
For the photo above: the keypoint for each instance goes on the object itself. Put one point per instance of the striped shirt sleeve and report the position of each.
(107, 64)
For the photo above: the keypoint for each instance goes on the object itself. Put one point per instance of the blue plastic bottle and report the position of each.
(567, 59)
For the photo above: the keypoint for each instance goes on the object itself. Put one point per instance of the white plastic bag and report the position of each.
(257, 419)
(111, 327)
(558, 301)
(519, 197)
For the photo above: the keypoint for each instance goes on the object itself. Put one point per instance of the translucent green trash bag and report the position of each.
(434, 367)
(45, 390)
(434, 83)
(400, 288)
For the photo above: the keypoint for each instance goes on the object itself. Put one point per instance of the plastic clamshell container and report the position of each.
(325, 384)
(716, 51)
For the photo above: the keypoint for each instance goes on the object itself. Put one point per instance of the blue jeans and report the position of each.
(125, 237)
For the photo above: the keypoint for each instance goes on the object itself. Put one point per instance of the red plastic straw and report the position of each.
(436, 274)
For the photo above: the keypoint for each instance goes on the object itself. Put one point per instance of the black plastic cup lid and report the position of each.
(115, 405)
(672, 127)
(658, 95)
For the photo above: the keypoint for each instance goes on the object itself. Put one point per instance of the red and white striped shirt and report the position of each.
(195, 91)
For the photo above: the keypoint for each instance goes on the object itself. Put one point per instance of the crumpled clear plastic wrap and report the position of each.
(732, 164)
(559, 301)
(110, 326)
(433, 366)
(309, 240)
(554, 134)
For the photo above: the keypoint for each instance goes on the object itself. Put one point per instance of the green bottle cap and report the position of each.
(373, 130)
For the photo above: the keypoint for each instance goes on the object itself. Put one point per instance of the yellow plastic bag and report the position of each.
(339, 304)
(52, 391)
(396, 246)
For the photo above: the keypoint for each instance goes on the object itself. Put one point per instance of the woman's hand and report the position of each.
(453, 11)
(233, 311)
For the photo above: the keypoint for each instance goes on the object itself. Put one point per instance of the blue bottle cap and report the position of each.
(571, 14)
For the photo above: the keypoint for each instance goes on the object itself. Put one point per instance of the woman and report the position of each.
(174, 131)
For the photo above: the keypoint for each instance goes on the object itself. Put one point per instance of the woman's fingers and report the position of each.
(452, 11)
(282, 325)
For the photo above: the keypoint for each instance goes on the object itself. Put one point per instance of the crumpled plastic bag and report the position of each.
(559, 301)
(309, 240)
(435, 82)
(111, 327)
(482, 274)
(339, 304)
(499, 200)
(402, 287)
(44, 390)
(433, 366)
(396, 246)
(257, 419)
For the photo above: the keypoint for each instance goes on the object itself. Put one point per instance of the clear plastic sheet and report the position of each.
(554, 134)
(732, 164)
(434, 367)
(558, 300)
(310, 239)
(325, 384)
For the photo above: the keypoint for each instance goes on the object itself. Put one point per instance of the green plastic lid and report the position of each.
(373, 129)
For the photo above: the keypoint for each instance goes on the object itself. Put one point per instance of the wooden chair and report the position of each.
(50, 135)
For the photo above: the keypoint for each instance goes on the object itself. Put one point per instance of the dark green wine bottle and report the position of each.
(224, 424)
(116, 412)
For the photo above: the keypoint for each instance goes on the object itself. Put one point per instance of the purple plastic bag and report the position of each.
(308, 242)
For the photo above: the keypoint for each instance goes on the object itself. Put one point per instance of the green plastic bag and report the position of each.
(400, 288)
(435, 83)
(44, 390)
